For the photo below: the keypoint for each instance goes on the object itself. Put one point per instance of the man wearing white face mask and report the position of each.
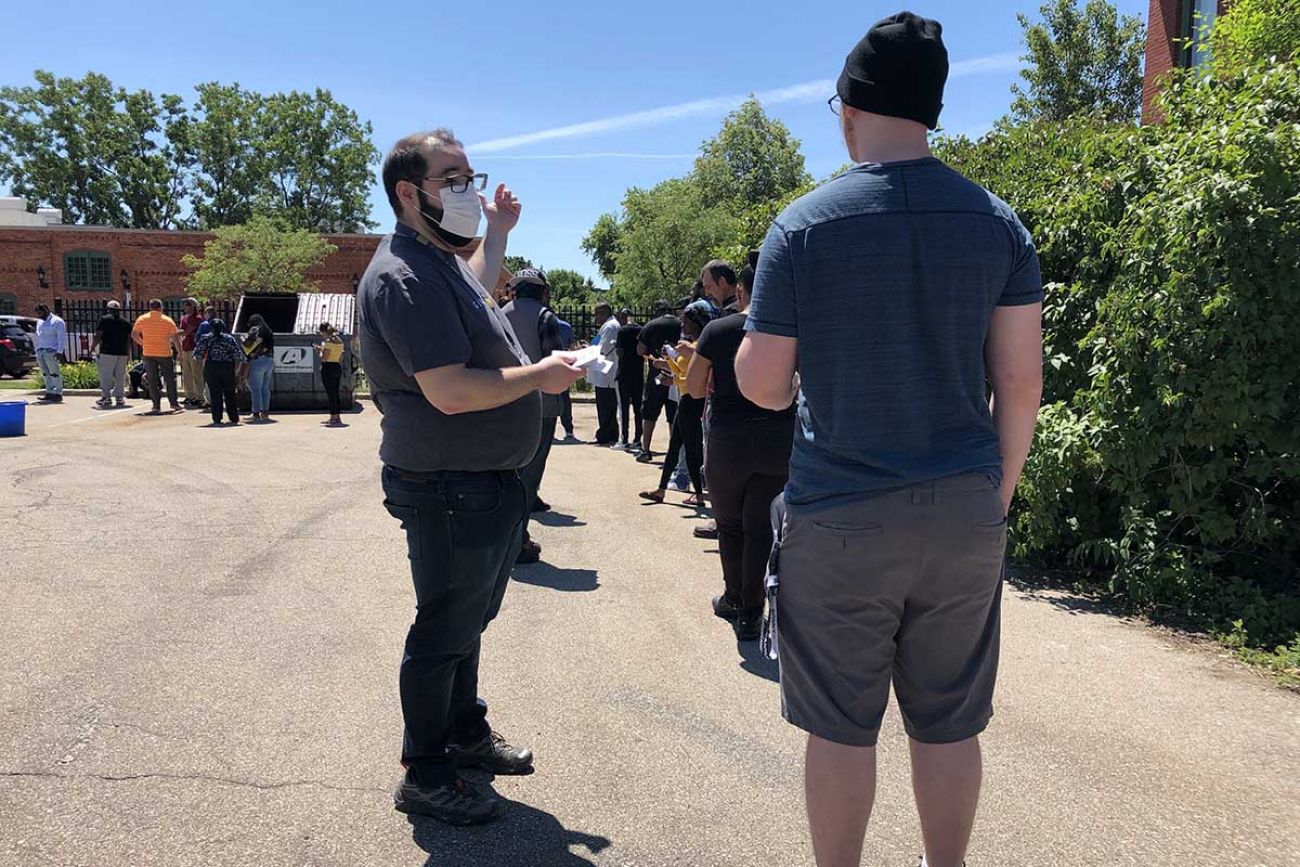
(461, 416)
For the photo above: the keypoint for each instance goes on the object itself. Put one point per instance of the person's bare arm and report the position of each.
(502, 215)
(765, 369)
(1013, 357)
(697, 376)
(456, 389)
(137, 337)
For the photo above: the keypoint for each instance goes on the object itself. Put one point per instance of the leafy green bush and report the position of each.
(80, 374)
(1167, 464)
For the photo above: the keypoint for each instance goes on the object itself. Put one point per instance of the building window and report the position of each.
(8, 304)
(1198, 17)
(88, 270)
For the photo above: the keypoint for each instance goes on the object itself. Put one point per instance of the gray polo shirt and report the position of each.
(422, 308)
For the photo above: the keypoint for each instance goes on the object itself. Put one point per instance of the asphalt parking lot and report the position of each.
(200, 636)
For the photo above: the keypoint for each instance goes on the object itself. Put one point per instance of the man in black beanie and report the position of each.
(894, 533)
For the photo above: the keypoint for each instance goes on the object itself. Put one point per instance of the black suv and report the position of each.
(17, 346)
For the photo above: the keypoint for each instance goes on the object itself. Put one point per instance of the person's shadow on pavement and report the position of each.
(565, 580)
(557, 519)
(753, 661)
(522, 836)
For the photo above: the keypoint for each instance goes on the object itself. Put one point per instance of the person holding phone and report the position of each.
(330, 350)
(688, 425)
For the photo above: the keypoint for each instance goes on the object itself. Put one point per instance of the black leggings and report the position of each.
(688, 431)
(220, 378)
(331, 373)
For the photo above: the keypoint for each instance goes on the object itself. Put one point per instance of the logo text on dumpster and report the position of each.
(293, 359)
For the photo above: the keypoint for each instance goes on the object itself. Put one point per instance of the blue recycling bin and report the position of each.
(13, 418)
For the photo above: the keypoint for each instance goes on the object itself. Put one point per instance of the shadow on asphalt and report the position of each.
(754, 662)
(556, 519)
(567, 580)
(523, 837)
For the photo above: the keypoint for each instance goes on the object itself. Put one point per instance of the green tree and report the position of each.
(751, 168)
(666, 236)
(515, 264)
(603, 244)
(102, 154)
(570, 289)
(228, 166)
(1081, 61)
(262, 255)
(317, 156)
(1252, 31)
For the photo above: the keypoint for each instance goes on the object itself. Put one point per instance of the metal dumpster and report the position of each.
(296, 320)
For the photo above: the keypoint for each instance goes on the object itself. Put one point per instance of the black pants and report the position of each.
(531, 475)
(220, 379)
(166, 367)
(629, 403)
(463, 533)
(748, 467)
(688, 431)
(331, 374)
(607, 415)
(566, 413)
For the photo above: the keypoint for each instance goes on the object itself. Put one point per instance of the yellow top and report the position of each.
(331, 351)
(156, 332)
(679, 366)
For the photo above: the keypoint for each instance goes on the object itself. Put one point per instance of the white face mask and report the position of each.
(461, 212)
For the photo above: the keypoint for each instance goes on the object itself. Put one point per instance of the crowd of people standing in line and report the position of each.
(732, 454)
(215, 364)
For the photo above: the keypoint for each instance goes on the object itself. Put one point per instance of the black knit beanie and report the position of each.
(898, 70)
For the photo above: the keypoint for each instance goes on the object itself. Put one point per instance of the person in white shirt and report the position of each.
(605, 382)
(51, 343)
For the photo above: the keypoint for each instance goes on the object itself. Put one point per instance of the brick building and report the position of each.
(1174, 30)
(100, 262)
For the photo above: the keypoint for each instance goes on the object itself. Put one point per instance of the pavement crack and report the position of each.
(204, 778)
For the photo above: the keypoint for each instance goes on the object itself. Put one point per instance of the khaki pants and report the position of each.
(192, 374)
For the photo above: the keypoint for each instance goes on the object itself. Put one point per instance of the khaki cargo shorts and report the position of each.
(903, 587)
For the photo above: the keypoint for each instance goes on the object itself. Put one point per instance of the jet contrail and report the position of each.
(601, 155)
(807, 92)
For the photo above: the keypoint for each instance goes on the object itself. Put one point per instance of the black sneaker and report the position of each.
(708, 531)
(540, 505)
(456, 803)
(531, 552)
(748, 627)
(725, 610)
(645, 457)
(493, 754)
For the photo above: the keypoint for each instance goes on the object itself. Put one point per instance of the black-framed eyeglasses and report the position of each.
(835, 103)
(461, 183)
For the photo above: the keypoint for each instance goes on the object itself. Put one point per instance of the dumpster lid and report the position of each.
(335, 308)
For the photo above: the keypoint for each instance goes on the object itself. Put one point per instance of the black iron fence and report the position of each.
(583, 320)
(81, 316)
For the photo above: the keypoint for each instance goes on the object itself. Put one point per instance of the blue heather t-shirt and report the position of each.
(887, 276)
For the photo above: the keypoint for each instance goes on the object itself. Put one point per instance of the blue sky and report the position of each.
(512, 75)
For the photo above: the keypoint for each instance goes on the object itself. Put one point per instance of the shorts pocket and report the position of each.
(992, 528)
(848, 529)
(410, 518)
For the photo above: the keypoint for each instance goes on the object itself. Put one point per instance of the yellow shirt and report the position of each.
(680, 364)
(331, 351)
(156, 330)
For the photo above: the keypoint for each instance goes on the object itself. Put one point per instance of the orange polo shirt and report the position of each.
(156, 330)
